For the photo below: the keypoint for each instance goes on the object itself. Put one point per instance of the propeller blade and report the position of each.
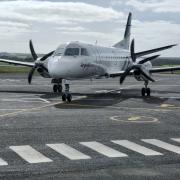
(33, 53)
(46, 56)
(31, 74)
(123, 77)
(148, 59)
(133, 55)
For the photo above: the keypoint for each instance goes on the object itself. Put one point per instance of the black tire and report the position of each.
(148, 92)
(55, 88)
(143, 92)
(64, 97)
(69, 97)
(59, 88)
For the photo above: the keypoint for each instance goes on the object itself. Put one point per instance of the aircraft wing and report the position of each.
(165, 69)
(152, 70)
(116, 74)
(144, 53)
(20, 63)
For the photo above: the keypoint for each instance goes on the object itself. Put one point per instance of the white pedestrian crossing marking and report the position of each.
(68, 151)
(137, 148)
(29, 154)
(102, 149)
(3, 163)
(176, 139)
(163, 145)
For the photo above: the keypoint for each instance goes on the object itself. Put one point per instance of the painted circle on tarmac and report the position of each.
(134, 119)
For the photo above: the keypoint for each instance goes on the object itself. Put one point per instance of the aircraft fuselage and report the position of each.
(77, 60)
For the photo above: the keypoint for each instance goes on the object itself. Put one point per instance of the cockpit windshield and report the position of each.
(72, 52)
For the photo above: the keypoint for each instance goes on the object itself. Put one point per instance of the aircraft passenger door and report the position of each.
(98, 56)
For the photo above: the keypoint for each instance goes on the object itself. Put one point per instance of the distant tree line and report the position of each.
(166, 61)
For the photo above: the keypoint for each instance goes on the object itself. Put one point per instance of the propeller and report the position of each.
(38, 61)
(148, 59)
(137, 67)
(133, 55)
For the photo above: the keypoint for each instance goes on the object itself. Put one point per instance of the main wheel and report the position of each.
(59, 88)
(148, 92)
(143, 91)
(69, 97)
(55, 88)
(64, 97)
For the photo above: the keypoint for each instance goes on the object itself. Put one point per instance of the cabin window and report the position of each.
(72, 52)
(84, 52)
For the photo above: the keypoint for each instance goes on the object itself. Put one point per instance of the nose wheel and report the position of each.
(146, 91)
(66, 97)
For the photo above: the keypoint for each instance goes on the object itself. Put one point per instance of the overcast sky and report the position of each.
(51, 22)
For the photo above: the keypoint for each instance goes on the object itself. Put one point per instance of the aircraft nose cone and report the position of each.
(54, 67)
(61, 67)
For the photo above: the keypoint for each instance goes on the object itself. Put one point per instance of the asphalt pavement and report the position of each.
(107, 132)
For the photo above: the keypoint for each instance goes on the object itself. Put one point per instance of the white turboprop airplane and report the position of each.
(76, 60)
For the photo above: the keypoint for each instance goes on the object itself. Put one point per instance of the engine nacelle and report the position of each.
(145, 68)
(43, 72)
(137, 75)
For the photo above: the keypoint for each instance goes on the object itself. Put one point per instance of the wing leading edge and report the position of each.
(152, 70)
(20, 63)
(165, 69)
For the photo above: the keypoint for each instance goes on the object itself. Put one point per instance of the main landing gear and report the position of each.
(66, 96)
(57, 87)
(146, 91)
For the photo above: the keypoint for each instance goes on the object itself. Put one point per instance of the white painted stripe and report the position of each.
(137, 148)
(102, 149)
(176, 139)
(25, 100)
(29, 154)
(68, 151)
(3, 163)
(163, 145)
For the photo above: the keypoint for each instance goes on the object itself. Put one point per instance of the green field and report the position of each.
(5, 69)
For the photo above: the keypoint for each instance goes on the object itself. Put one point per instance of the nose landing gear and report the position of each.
(58, 88)
(146, 91)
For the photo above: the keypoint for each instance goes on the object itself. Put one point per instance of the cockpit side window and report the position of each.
(59, 52)
(84, 52)
(72, 52)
